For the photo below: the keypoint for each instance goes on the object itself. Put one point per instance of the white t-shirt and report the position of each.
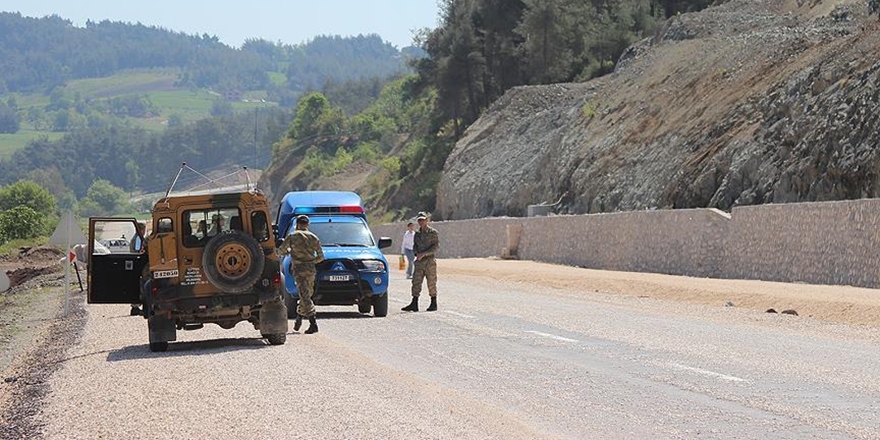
(408, 238)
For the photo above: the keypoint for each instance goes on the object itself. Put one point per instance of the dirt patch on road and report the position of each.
(842, 304)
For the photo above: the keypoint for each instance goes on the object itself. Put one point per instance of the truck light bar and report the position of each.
(328, 210)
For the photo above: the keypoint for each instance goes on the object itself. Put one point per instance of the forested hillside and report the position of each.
(125, 104)
(481, 49)
(42, 53)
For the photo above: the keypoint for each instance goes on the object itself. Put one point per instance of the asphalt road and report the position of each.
(499, 359)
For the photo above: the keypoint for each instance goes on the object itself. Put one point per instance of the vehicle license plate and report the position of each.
(338, 277)
(165, 274)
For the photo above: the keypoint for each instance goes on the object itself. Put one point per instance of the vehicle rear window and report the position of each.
(200, 225)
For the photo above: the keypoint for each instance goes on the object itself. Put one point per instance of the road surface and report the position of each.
(510, 354)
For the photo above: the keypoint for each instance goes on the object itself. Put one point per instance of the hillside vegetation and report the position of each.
(749, 102)
(481, 49)
(126, 104)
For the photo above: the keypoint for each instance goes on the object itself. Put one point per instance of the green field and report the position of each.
(125, 83)
(11, 142)
(157, 85)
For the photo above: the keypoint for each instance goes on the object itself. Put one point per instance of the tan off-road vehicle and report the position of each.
(209, 258)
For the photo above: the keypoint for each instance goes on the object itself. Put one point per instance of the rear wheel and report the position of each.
(158, 346)
(276, 338)
(380, 305)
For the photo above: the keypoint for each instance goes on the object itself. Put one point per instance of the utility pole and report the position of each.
(256, 110)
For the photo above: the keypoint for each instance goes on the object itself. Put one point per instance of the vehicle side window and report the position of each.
(164, 224)
(260, 226)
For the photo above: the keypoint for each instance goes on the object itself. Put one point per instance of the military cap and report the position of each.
(422, 215)
(302, 219)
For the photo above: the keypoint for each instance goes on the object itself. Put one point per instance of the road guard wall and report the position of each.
(820, 243)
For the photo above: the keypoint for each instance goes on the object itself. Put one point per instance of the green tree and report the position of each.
(315, 117)
(20, 222)
(133, 171)
(52, 180)
(544, 27)
(9, 120)
(103, 198)
(27, 193)
(221, 107)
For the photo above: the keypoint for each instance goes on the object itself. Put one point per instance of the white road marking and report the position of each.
(396, 300)
(708, 373)
(548, 335)
(460, 314)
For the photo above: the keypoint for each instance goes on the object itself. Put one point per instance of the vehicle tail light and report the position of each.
(276, 279)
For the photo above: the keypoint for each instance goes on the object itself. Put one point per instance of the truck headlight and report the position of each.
(374, 265)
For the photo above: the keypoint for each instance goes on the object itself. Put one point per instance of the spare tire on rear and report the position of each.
(233, 262)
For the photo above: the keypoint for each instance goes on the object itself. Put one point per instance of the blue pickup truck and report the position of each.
(354, 271)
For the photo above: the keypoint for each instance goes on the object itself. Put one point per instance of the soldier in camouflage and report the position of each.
(426, 243)
(305, 252)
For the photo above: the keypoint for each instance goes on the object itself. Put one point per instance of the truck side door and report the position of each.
(113, 278)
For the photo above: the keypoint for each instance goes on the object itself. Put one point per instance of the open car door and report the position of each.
(113, 273)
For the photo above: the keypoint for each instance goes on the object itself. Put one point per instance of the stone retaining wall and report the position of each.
(821, 243)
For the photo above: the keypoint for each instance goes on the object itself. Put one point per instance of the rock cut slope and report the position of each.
(749, 102)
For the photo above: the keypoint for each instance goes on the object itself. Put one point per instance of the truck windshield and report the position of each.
(342, 234)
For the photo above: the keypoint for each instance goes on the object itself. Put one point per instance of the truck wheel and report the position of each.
(276, 339)
(158, 346)
(365, 304)
(380, 305)
(290, 302)
(233, 261)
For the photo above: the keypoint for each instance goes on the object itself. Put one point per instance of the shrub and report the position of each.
(19, 223)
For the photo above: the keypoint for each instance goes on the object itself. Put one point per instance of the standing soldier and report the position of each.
(305, 252)
(426, 243)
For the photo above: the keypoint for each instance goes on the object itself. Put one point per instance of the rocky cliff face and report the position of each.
(753, 101)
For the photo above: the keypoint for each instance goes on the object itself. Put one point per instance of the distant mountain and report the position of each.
(41, 53)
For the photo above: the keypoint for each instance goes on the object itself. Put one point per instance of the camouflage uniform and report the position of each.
(426, 242)
(305, 251)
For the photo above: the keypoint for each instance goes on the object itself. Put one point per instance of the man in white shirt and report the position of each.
(406, 248)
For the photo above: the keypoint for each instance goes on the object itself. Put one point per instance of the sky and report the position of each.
(287, 21)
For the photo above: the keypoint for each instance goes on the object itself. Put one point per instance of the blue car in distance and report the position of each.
(354, 271)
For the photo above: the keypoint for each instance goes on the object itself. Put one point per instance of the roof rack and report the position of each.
(249, 186)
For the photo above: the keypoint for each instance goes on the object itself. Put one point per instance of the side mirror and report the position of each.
(384, 242)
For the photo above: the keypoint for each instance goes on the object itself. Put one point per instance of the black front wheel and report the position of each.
(276, 338)
(365, 304)
(380, 305)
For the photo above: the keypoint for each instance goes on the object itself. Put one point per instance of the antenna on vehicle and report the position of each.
(248, 177)
(174, 182)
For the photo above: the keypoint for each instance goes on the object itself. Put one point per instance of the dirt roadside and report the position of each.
(34, 333)
(840, 304)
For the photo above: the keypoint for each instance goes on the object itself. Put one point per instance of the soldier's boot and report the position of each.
(413, 306)
(135, 310)
(297, 323)
(433, 306)
(313, 326)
